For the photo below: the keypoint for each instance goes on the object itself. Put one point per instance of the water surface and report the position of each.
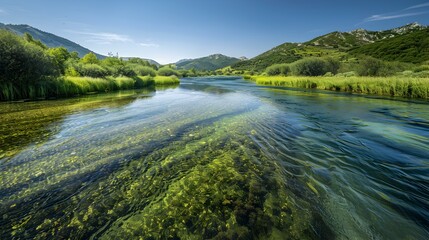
(215, 158)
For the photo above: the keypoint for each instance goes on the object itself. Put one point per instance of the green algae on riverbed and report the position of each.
(207, 183)
(34, 122)
(188, 182)
(218, 159)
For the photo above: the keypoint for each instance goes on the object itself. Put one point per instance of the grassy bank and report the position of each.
(383, 86)
(162, 80)
(72, 86)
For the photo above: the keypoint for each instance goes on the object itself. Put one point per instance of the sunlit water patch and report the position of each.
(216, 158)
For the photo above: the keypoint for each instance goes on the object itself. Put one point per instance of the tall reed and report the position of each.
(385, 86)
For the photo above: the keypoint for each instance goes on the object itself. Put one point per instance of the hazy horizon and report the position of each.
(168, 31)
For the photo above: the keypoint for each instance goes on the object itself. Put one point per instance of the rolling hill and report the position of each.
(412, 47)
(209, 63)
(48, 39)
(393, 45)
(360, 37)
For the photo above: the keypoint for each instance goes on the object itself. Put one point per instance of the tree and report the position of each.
(309, 67)
(91, 70)
(22, 65)
(369, 66)
(59, 57)
(278, 69)
(332, 65)
(31, 40)
(144, 71)
(167, 71)
(90, 58)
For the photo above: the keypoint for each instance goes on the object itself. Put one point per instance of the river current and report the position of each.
(215, 158)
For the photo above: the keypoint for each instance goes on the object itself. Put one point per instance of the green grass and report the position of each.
(72, 86)
(162, 80)
(383, 86)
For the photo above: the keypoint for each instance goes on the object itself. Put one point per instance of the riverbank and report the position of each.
(73, 86)
(384, 86)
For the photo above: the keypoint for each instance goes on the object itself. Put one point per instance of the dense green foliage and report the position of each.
(315, 66)
(278, 69)
(167, 71)
(412, 48)
(144, 71)
(408, 44)
(209, 63)
(305, 67)
(392, 86)
(24, 67)
(30, 70)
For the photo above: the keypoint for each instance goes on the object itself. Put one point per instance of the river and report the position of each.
(217, 158)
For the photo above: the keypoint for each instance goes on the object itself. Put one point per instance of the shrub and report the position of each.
(126, 71)
(22, 66)
(167, 71)
(309, 67)
(144, 71)
(332, 65)
(92, 70)
(278, 69)
(421, 68)
(89, 58)
(369, 66)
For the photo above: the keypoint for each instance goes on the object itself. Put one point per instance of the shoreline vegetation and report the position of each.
(366, 75)
(29, 70)
(397, 86)
(67, 86)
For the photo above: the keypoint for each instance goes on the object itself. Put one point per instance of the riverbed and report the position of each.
(215, 158)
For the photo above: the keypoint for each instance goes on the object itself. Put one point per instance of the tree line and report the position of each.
(28, 67)
(362, 66)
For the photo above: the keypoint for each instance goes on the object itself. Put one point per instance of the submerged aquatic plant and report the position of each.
(200, 178)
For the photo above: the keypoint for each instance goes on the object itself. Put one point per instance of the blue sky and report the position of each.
(169, 30)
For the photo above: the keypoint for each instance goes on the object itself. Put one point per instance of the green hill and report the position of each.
(286, 53)
(209, 63)
(412, 47)
(340, 45)
(48, 39)
(361, 37)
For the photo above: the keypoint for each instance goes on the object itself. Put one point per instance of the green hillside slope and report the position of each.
(412, 47)
(209, 63)
(48, 39)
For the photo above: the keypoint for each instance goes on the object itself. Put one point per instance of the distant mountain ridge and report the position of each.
(49, 39)
(359, 37)
(210, 63)
(146, 59)
(412, 38)
(412, 47)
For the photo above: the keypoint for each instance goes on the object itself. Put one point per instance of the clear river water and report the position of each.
(215, 158)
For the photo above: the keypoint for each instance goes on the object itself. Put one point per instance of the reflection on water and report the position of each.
(215, 158)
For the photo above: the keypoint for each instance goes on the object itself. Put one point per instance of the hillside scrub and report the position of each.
(392, 86)
(278, 69)
(369, 66)
(305, 67)
(363, 66)
(411, 48)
